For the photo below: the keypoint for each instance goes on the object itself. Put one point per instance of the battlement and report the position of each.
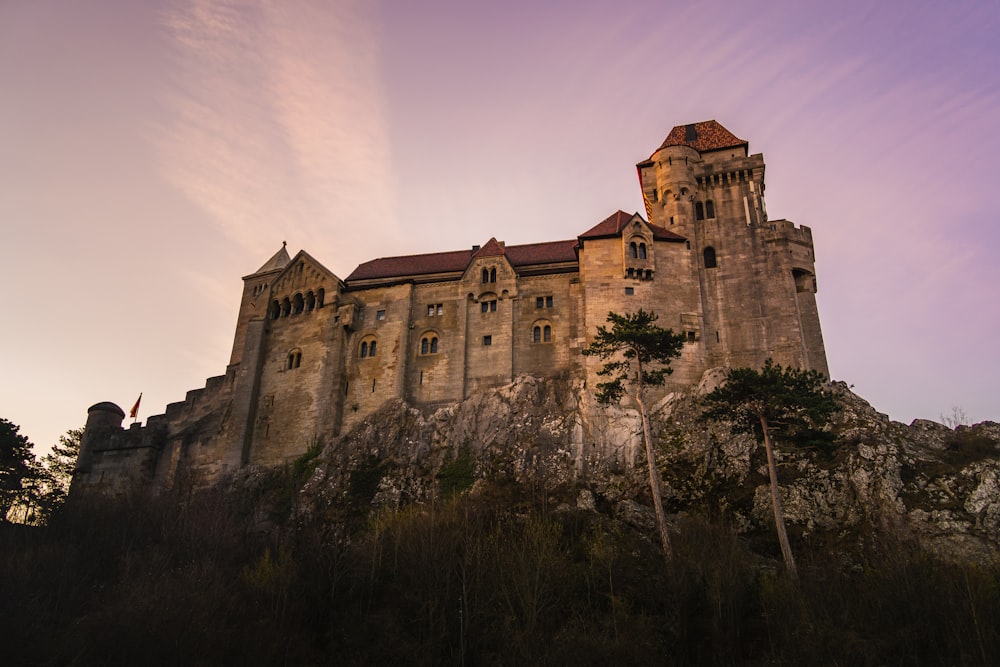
(313, 356)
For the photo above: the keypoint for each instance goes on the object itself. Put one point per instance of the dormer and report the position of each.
(636, 240)
(490, 273)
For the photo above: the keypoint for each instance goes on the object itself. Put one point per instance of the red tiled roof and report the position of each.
(705, 136)
(613, 225)
(493, 248)
(412, 265)
(457, 260)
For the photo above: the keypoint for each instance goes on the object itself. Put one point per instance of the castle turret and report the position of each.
(254, 304)
(756, 278)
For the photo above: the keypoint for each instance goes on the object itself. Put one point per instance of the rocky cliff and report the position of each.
(549, 438)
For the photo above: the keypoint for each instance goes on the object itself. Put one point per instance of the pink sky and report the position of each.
(152, 153)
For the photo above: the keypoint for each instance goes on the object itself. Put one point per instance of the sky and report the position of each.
(152, 153)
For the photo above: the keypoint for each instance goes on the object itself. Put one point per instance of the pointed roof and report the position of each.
(616, 222)
(705, 136)
(279, 261)
(493, 248)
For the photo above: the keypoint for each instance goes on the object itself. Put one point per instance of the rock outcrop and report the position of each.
(924, 481)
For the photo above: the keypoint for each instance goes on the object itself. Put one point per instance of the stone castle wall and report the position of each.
(314, 355)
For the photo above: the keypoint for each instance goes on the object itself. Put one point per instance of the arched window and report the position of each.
(633, 250)
(320, 295)
(371, 349)
(709, 209)
(429, 344)
(642, 251)
(699, 211)
(275, 310)
(493, 275)
(710, 258)
(298, 304)
(286, 307)
(541, 332)
(486, 275)
(310, 301)
(364, 349)
(294, 359)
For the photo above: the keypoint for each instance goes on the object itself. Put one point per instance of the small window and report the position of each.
(493, 275)
(320, 295)
(699, 211)
(642, 251)
(547, 334)
(633, 250)
(286, 307)
(710, 258)
(709, 209)
(687, 244)
(440, 309)
(371, 349)
(487, 340)
(486, 275)
(543, 301)
(548, 302)
(380, 315)
(429, 345)
(536, 335)
(310, 301)
(690, 336)
(629, 291)
(298, 304)
(430, 311)
(368, 349)
(275, 310)
(488, 306)
(364, 349)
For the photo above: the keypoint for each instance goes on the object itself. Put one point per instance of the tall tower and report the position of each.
(756, 277)
(254, 303)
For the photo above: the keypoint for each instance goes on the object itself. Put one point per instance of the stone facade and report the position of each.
(314, 354)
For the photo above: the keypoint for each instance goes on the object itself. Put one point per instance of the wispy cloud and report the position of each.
(278, 129)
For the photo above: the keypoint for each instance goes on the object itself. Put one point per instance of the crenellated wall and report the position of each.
(314, 355)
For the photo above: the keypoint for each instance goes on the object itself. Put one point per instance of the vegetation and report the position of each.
(773, 400)
(196, 580)
(31, 491)
(637, 353)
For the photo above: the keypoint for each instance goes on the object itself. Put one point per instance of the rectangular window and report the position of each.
(487, 340)
(435, 309)
(488, 306)
(440, 309)
(430, 310)
(380, 315)
(629, 291)
(548, 302)
(543, 301)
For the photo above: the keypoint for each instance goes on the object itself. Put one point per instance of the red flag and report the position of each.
(135, 408)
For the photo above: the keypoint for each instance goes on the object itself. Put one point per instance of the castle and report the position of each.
(314, 354)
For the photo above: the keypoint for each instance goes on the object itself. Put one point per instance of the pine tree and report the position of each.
(639, 354)
(773, 400)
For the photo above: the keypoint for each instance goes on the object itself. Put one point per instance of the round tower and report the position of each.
(674, 168)
(104, 420)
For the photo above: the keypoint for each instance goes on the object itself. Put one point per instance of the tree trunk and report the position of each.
(779, 514)
(654, 480)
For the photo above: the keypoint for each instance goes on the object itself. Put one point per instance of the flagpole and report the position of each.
(134, 412)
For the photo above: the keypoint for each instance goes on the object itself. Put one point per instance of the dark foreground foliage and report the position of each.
(471, 581)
